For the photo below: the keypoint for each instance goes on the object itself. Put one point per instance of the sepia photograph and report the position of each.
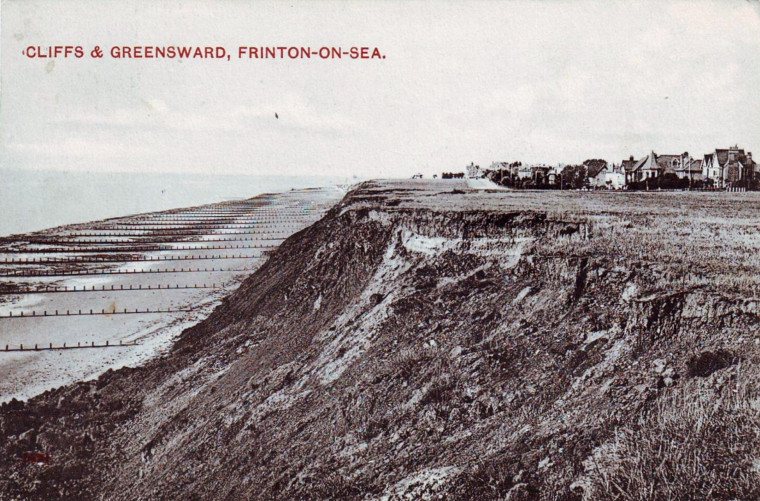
(380, 250)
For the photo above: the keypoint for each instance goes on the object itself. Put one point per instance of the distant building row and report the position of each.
(731, 168)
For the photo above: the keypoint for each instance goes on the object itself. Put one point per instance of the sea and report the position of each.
(32, 200)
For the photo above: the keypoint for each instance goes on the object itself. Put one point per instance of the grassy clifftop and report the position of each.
(428, 341)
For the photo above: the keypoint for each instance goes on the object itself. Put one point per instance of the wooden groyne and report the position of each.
(139, 288)
(120, 259)
(77, 273)
(145, 247)
(103, 311)
(64, 346)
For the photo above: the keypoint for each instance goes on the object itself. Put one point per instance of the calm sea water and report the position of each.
(35, 200)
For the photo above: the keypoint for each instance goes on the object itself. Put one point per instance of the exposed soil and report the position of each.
(425, 340)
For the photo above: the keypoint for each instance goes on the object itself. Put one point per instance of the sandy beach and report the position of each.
(137, 280)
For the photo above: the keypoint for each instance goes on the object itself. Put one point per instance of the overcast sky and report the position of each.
(462, 81)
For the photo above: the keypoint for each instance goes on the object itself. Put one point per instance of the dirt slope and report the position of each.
(422, 341)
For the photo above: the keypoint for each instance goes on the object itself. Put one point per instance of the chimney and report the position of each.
(631, 158)
(749, 157)
(732, 151)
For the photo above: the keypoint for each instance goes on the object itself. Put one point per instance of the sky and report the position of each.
(539, 81)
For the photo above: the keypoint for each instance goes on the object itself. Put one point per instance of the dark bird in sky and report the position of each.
(276, 115)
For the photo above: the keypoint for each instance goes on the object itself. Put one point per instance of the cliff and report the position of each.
(422, 341)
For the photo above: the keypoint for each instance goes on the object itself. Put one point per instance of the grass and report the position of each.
(702, 238)
(693, 445)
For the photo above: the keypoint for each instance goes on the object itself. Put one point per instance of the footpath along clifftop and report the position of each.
(428, 340)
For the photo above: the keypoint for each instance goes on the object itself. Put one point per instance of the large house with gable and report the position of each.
(690, 168)
(729, 168)
(611, 177)
(650, 167)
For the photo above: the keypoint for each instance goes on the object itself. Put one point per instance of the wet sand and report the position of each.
(183, 261)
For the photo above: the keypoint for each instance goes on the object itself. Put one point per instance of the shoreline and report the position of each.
(182, 273)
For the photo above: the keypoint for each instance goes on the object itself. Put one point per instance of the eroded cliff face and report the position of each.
(391, 350)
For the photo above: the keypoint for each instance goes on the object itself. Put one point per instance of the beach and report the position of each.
(78, 300)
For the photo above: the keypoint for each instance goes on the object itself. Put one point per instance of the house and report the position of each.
(667, 164)
(729, 168)
(627, 165)
(595, 172)
(524, 172)
(689, 168)
(614, 178)
(537, 175)
(643, 169)
(651, 167)
(632, 173)
(540, 174)
(474, 171)
(553, 177)
(502, 172)
(606, 176)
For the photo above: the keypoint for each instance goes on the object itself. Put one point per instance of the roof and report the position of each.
(722, 156)
(634, 165)
(668, 163)
(594, 169)
(693, 165)
(643, 162)
(628, 165)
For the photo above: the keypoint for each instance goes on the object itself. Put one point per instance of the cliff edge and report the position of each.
(426, 340)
